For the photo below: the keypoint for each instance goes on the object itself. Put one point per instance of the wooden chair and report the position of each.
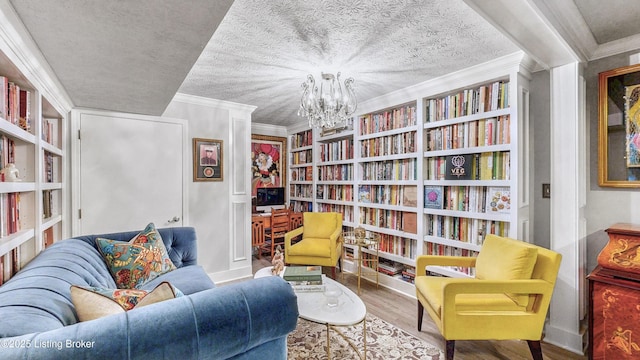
(257, 234)
(296, 220)
(280, 225)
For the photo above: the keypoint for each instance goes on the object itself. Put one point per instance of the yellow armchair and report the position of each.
(508, 298)
(321, 242)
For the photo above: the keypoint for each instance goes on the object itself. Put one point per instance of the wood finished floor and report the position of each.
(401, 311)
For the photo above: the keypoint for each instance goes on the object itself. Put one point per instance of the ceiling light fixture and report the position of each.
(329, 106)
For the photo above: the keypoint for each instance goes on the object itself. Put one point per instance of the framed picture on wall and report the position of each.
(207, 159)
(268, 162)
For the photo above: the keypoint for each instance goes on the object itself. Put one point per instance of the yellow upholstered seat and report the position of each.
(508, 299)
(321, 242)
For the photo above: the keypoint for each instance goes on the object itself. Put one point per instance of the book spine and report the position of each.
(303, 278)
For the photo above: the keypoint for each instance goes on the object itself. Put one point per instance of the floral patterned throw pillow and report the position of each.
(93, 303)
(138, 261)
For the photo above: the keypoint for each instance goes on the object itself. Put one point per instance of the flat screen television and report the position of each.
(270, 197)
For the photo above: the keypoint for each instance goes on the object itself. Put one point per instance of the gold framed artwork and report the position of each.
(619, 127)
(268, 162)
(207, 160)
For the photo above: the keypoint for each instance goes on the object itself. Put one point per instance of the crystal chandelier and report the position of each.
(329, 106)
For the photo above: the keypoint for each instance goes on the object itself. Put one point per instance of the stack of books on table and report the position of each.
(304, 278)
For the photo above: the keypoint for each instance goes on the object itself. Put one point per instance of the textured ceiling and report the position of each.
(126, 55)
(264, 49)
(612, 19)
(134, 55)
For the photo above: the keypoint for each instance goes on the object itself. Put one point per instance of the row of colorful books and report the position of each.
(484, 132)
(302, 139)
(389, 219)
(463, 229)
(404, 169)
(345, 210)
(301, 190)
(489, 97)
(340, 172)
(15, 104)
(335, 192)
(388, 120)
(302, 157)
(478, 199)
(301, 206)
(494, 165)
(337, 150)
(389, 145)
(302, 174)
(402, 195)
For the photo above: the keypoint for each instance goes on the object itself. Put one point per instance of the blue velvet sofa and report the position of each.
(245, 320)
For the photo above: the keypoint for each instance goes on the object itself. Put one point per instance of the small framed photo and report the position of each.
(207, 160)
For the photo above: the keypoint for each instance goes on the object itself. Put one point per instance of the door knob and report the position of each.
(174, 220)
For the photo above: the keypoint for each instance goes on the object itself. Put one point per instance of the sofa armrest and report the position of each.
(214, 324)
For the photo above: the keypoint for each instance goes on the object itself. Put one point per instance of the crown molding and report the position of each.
(204, 101)
(481, 73)
(630, 43)
(22, 50)
(527, 26)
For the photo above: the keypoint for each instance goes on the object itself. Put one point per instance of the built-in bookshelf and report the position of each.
(301, 190)
(400, 176)
(334, 185)
(31, 164)
(387, 179)
(472, 137)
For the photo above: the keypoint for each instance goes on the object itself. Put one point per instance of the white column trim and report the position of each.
(567, 206)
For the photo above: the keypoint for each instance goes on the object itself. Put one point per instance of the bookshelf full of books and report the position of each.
(432, 168)
(334, 185)
(32, 125)
(387, 179)
(473, 183)
(301, 190)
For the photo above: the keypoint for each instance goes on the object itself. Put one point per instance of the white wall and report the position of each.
(220, 211)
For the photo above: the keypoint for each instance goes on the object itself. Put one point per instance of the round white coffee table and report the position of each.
(312, 306)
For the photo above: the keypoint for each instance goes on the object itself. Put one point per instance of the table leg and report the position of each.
(359, 269)
(364, 337)
(328, 343)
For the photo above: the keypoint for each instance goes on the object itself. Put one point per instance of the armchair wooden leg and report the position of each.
(536, 349)
(420, 314)
(450, 347)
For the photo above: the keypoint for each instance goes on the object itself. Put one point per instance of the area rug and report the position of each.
(384, 342)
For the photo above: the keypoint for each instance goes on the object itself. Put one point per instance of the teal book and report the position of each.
(303, 273)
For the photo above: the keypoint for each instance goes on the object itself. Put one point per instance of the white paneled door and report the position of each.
(131, 172)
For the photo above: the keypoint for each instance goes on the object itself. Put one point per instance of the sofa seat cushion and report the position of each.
(315, 247)
(432, 288)
(137, 261)
(93, 303)
(188, 279)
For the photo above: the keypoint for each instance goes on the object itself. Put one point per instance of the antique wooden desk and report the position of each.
(614, 297)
